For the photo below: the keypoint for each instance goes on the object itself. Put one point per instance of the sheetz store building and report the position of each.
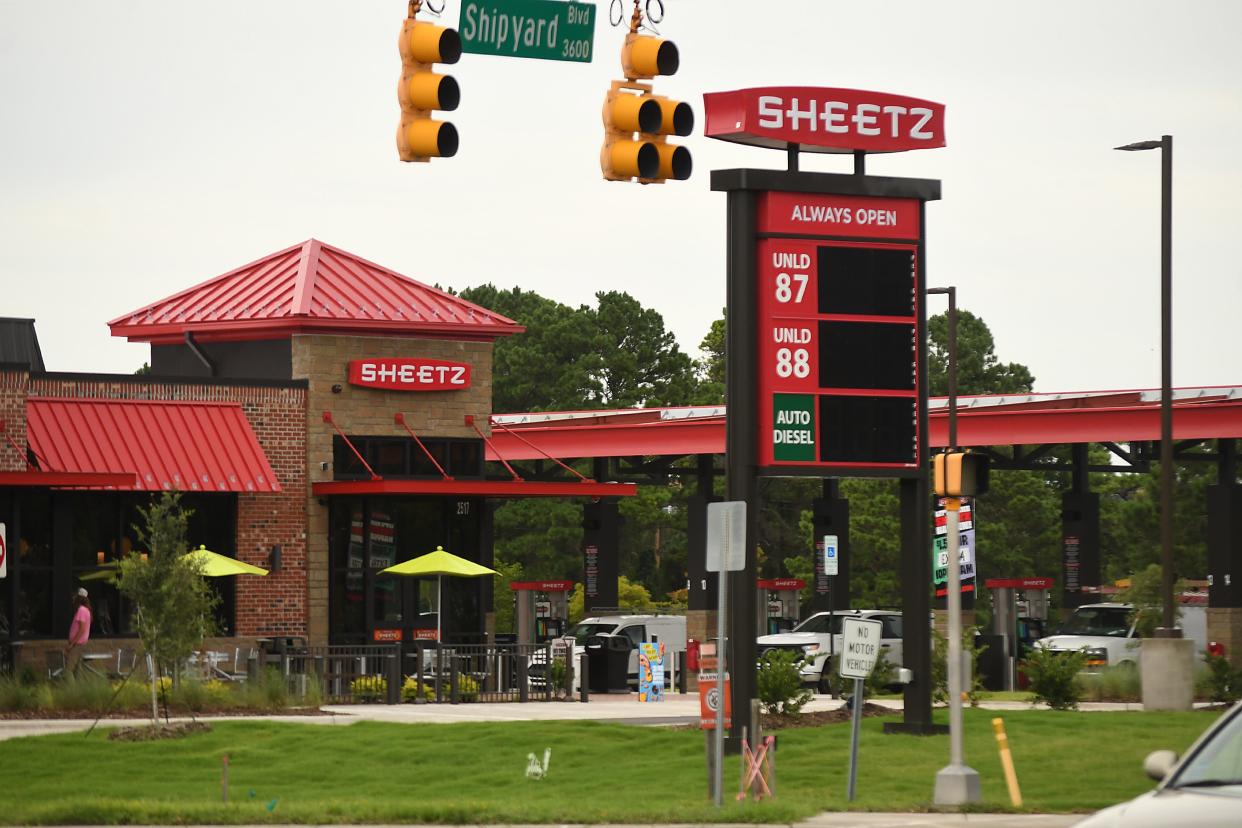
(323, 417)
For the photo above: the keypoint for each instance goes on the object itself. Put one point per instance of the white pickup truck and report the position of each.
(1105, 632)
(820, 634)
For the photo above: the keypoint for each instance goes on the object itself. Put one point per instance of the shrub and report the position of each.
(940, 666)
(18, 695)
(85, 692)
(1053, 677)
(467, 688)
(1222, 682)
(369, 688)
(779, 684)
(411, 690)
(267, 692)
(190, 694)
(1116, 684)
(881, 677)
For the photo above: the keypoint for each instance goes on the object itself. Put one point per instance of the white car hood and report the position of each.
(1195, 808)
(790, 639)
(1077, 642)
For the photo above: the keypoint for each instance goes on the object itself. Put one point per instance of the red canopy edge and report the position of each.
(477, 488)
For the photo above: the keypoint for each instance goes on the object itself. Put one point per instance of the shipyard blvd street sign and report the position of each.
(540, 29)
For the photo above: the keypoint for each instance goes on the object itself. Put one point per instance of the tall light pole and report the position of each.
(957, 783)
(1165, 145)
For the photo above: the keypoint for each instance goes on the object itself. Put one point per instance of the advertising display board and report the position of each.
(965, 550)
(838, 332)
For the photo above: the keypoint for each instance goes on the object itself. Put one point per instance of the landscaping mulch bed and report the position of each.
(152, 733)
(775, 721)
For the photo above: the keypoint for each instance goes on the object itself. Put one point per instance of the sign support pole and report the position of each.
(721, 666)
(856, 725)
(956, 784)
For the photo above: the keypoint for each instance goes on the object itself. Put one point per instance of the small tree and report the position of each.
(173, 600)
(1144, 594)
(779, 684)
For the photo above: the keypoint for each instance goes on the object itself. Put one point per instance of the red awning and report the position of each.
(476, 488)
(187, 446)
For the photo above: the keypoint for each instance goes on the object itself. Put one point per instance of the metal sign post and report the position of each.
(956, 784)
(726, 552)
(832, 565)
(860, 649)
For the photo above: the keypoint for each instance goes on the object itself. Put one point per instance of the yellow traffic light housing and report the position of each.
(421, 91)
(959, 474)
(637, 122)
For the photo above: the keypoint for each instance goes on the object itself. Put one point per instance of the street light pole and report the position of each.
(1168, 628)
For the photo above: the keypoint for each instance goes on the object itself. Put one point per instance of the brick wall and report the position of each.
(276, 604)
(324, 362)
(13, 389)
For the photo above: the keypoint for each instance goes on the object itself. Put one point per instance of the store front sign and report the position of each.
(409, 374)
(824, 120)
(385, 636)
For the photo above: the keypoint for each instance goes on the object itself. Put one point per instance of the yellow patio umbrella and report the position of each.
(215, 565)
(439, 563)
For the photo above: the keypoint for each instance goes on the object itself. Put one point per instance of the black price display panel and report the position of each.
(868, 429)
(866, 281)
(866, 355)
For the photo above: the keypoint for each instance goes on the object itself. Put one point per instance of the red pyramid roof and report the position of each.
(310, 287)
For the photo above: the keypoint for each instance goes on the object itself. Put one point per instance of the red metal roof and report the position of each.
(1027, 419)
(310, 287)
(477, 488)
(188, 446)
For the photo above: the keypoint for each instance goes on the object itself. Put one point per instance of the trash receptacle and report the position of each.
(608, 658)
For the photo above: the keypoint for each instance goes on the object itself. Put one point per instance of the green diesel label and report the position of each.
(793, 427)
(541, 29)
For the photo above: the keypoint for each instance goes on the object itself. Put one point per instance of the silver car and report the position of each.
(1204, 788)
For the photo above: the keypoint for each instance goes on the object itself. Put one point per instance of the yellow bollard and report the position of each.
(1011, 778)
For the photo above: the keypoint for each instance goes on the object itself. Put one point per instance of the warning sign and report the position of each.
(709, 701)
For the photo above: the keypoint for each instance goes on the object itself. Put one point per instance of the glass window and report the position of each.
(34, 547)
(892, 626)
(348, 615)
(466, 458)
(819, 623)
(34, 610)
(421, 465)
(344, 462)
(637, 635)
(388, 456)
(1110, 621)
(584, 631)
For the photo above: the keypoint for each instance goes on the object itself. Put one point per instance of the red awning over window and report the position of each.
(187, 446)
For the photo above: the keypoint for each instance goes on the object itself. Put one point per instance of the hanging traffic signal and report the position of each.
(637, 122)
(959, 474)
(420, 91)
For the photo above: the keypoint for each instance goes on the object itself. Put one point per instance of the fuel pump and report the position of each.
(1019, 610)
(778, 604)
(542, 609)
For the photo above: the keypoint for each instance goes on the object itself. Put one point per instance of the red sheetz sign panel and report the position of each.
(837, 331)
(824, 119)
(409, 374)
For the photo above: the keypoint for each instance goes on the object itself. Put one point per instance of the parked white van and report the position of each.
(670, 629)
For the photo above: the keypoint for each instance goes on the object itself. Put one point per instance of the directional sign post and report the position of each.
(726, 552)
(539, 29)
(860, 649)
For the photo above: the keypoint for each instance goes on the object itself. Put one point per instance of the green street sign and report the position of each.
(793, 426)
(540, 29)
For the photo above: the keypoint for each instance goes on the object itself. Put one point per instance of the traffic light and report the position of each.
(960, 474)
(420, 91)
(637, 123)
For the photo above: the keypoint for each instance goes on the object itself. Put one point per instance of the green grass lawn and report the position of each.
(375, 772)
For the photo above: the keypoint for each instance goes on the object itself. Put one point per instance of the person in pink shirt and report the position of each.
(79, 630)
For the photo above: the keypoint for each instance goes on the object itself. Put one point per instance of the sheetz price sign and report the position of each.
(838, 333)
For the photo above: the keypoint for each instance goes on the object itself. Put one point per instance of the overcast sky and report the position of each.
(148, 146)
